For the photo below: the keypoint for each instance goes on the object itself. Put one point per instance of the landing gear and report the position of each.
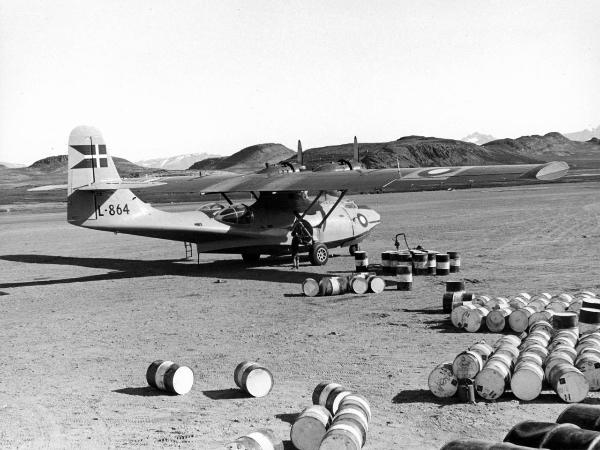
(251, 258)
(319, 255)
(352, 249)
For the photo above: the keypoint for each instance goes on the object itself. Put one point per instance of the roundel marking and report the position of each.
(438, 171)
(362, 219)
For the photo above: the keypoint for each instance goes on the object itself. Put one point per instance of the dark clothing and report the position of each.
(295, 244)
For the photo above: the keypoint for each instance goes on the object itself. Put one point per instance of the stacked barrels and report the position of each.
(493, 378)
(588, 358)
(361, 259)
(528, 374)
(345, 425)
(446, 378)
(566, 380)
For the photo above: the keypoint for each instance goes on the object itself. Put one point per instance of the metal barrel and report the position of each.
(526, 380)
(170, 377)
(357, 401)
(518, 321)
(563, 320)
(590, 303)
(568, 382)
(454, 262)
(589, 320)
(419, 260)
(310, 287)
(441, 381)
(263, 439)
(309, 427)
(376, 284)
(458, 314)
(564, 437)
(431, 262)
(404, 278)
(329, 395)
(531, 433)
(358, 284)
(361, 260)
(386, 262)
(467, 364)
(344, 434)
(455, 286)
(474, 319)
(584, 416)
(451, 300)
(253, 378)
(474, 444)
(333, 286)
(442, 264)
(496, 319)
(491, 381)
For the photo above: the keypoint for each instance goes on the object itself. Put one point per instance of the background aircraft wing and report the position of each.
(365, 180)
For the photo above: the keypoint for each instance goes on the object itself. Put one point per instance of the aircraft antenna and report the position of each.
(300, 156)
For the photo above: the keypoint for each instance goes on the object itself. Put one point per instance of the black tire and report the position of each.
(352, 249)
(319, 255)
(251, 258)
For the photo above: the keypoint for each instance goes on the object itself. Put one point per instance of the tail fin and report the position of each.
(355, 149)
(89, 161)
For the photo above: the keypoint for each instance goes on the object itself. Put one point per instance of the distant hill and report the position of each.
(415, 151)
(550, 147)
(478, 138)
(248, 159)
(207, 164)
(178, 162)
(58, 164)
(584, 135)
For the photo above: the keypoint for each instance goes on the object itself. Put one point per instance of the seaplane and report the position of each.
(97, 198)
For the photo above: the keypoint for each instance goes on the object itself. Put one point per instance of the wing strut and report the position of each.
(337, 202)
(226, 198)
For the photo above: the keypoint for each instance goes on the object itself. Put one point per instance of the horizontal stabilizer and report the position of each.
(113, 186)
(50, 187)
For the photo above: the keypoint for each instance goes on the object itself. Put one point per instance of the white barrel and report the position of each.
(518, 321)
(359, 284)
(481, 300)
(345, 434)
(525, 295)
(490, 382)
(329, 395)
(442, 382)
(253, 378)
(170, 377)
(332, 286)
(508, 339)
(263, 439)
(569, 383)
(310, 287)
(309, 428)
(558, 306)
(458, 313)
(376, 284)
(541, 316)
(358, 401)
(518, 302)
(467, 364)
(589, 364)
(531, 357)
(474, 319)
(496, 319)
(526, 381)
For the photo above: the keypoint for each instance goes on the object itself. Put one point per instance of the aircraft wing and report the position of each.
(365, 180)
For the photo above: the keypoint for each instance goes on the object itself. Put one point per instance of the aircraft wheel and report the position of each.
(319, 254)
(352, 249)
(250, 258)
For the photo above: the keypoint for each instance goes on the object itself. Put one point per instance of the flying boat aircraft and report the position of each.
(99, 199)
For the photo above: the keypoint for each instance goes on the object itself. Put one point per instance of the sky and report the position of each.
(162, 78)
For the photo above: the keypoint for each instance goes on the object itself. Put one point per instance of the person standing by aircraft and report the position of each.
(295, 249)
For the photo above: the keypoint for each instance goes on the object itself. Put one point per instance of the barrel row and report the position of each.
(251, 377)
(498, 314)
(422, 262)
(337, 285)
(577, 427)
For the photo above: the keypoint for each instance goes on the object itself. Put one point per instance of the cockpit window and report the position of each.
(238, 213)
(350, 204)
(211, 209)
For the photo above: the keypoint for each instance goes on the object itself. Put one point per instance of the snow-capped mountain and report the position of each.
(179, 162)
(11, 165)
(584, 135)
(478, 138)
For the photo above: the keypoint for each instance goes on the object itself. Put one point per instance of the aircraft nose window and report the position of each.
(239, 213)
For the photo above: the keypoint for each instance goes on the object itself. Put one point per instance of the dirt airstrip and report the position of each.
(83, 313)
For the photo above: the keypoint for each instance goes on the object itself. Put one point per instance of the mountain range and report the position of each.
(178, 162)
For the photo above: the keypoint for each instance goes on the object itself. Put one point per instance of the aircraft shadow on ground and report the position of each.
(232, 269)
(145, 391)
